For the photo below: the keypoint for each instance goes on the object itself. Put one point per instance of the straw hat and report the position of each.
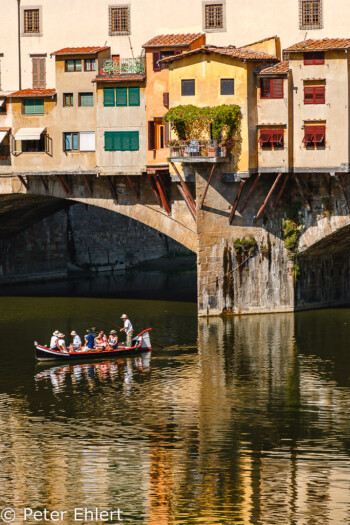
(73, 333)
(61, 335)
(124, 316)
(113, 332)
(56, 333)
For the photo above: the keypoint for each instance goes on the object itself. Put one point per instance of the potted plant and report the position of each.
(213, 149)
(183, 143)
(175, 149)
(225, 146)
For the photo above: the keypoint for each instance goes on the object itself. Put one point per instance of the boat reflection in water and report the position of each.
(90, 375)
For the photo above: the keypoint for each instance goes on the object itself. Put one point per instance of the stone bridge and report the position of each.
(245, 262)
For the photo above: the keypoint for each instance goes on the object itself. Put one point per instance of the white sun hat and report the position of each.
(124, 316)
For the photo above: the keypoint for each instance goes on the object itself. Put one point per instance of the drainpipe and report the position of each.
(19, 44)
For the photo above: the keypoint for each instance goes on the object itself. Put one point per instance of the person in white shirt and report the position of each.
(61, 343)
(54, 338)
(76, 344)
(128, 329)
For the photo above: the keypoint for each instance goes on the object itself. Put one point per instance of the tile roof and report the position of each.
(277, 69)
(33, 93)
(80, 50)
(320, 45)
(173, 40)
(124, 77)
(260, 41)
(5, 129)
(240, 53)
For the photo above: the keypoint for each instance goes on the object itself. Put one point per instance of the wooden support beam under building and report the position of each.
(88, 185)
(65, 185)
(268, 197)
(301, 191)
(112, 189)
(132, 186)
(162, 193)
(342, 182)
(253, 186)
(184, 196)
(206, 188)
(154, 188)
(280, 193)
(235, 204)
(327, 183)
(24, 182)
(43, 180)
(187, 195)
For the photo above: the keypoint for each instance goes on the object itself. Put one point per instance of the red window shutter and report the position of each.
(265, 90)
(277, 88)
(156, 58)
(320, 134)
(151, 135)
(320, 95)
(277, 137)
(265, 136)
(308, 95)
(309, 134)
(314, 58)
(166, 131)
(166, 100)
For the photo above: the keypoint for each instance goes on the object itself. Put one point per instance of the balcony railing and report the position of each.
(121, 66)
(203, 152)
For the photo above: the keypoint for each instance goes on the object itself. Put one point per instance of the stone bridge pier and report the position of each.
(249, 260)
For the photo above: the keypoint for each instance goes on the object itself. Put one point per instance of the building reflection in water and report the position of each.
(251, 427)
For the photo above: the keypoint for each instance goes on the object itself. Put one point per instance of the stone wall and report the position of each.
(85, 236)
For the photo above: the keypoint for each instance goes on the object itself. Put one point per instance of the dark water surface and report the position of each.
(238, 420)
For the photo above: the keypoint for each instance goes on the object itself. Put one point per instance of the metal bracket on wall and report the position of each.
(65, 185)
(253, 186)
(206, 188)
(43, 180)
(186, 194)
(24, 182)
(281, 190)
(112, 189)
(235, 204)
(88, 185)
(132, 186)
(268, 196)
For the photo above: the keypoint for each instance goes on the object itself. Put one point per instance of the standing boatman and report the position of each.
(128, 329)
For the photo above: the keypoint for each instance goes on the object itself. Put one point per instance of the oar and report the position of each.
(116, 326)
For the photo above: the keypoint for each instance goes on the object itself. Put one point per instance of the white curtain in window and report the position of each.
(87, 141)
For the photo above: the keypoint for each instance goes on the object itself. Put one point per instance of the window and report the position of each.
(122, 96)
(31, 21)
(34, 146)
(86, 99)
(314, 94)
(67, 99)
(121, 140)
(314, 58)
(39, 72)
(315, 136)
(79, 141)
(73, 65)
(119, 20)
(227, 86)
(310, 14)
(214, 16)
(187, 88)
(271, 88)
(33, 106)
(89, 64)
(2, 105)
(158, 134)
(271, 138)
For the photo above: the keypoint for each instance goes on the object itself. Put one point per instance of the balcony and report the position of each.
(121, 66)
(197, 152)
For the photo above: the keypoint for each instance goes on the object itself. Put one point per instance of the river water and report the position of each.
(238, 420)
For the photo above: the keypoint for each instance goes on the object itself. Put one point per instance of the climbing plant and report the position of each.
(192, 122)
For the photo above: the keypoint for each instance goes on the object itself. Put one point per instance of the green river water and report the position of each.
(237, 420)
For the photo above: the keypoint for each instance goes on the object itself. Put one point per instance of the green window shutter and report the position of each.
(109, 141)
(108, 97)
(117, 141)
(134, 96)
(126, 141)
(121, 96)
(134, 140)
(34, 106)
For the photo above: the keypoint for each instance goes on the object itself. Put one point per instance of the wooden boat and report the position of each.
(142, 343)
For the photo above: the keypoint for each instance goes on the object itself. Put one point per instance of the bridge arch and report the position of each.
(179, 226)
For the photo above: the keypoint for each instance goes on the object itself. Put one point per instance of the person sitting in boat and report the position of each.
(89, 339)
(76, 344)
(101, 340)
(113, 339)
(54, 339)
(61, 343)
